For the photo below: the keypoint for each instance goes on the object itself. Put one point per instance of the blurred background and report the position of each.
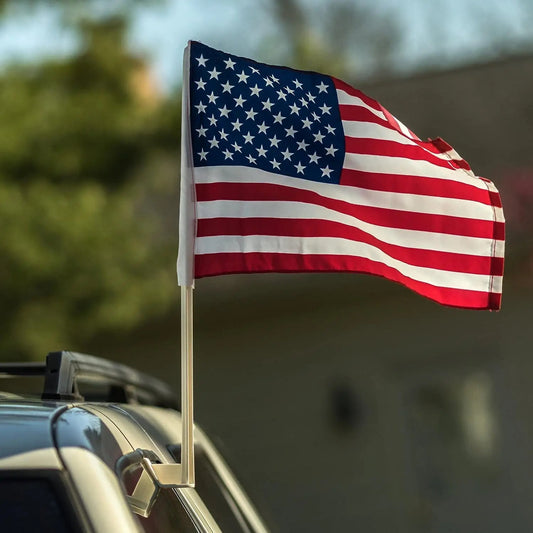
(343, 401)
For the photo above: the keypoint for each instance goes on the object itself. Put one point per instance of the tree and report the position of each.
(78, 253)
(340, 37)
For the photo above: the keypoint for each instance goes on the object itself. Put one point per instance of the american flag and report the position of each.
(291, 171)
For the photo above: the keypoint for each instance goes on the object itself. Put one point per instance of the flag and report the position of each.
(292, 171)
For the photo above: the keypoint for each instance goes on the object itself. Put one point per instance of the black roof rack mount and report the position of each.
(64, 369)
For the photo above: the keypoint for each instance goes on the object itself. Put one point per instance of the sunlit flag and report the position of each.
(291, 171)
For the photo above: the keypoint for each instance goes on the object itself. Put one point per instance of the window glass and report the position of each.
(167, 516)
(167, 513)
(214, 493)
(32, 504)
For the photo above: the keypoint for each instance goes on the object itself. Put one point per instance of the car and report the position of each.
(77, 449)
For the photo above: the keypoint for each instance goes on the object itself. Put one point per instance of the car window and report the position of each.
(214, 493)
(29, 504)
(167, 513)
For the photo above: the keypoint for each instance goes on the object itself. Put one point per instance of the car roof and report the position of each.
(26, 426)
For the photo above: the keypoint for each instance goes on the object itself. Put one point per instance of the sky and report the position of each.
(439, 34)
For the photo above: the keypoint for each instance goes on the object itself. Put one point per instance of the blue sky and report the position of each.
(438, 33)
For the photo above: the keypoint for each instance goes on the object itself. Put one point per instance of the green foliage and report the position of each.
(74, 260)
(82, 251)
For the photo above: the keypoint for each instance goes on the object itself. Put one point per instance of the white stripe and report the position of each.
(339, 246)
(370, 130)
(412, 203)
(422, 240)
(408, 167)
(348, 99)
(344, 98)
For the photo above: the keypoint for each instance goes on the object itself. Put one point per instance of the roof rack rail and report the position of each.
(64, 369)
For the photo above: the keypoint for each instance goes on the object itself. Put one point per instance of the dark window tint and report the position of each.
(30, 505)
(167, 516)
(214, 493)
(216, 496)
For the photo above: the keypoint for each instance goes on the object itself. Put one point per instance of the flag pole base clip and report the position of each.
(166, 476)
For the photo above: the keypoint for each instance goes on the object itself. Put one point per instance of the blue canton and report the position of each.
(271, 118)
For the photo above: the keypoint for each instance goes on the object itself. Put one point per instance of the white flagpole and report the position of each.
(186, 281)
(187, 422)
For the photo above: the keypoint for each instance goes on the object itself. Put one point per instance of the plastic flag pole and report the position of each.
(187, 421)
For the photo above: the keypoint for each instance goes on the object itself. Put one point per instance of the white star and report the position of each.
(326, 171)
(251, 114)
(310, 97)
(331, 150)
(318, 137)
(304, 102)
(275, 164)
(255, 90)
(200, 83)
(236, 147)
(251, 159)
(263, 127)
(288, 90)
(267, 104)
(229, 63)
(302, 145)
(315, 116)
(228, 154)
(297, 84)
(213, 142)
(236, 125)
(226, 87)
(248, 138)
(325, 109)
(261, 152)
(201, 131)
(212, 97)
(243, 77)
(294, 108)
(290, 132)
(307, 123)
(201, 60)
(274, 141)
(239, 101)
(212, 120)
(224, 111)
(214, 73)
(299, 168)
(201, 107)
(203, 155)
(268, 82)
(286, 154)
(223, 135)
(281, 95)
(314, 158)
(322, 88)
(278, 118)
(330, 129)
(254, 70)
(274, 79)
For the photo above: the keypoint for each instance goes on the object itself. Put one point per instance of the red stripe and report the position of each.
(237, 263)
(374, 215)
(362, 114)
(437, 187)
(448, 261)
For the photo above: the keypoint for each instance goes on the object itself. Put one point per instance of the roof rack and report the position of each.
(63, 370)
